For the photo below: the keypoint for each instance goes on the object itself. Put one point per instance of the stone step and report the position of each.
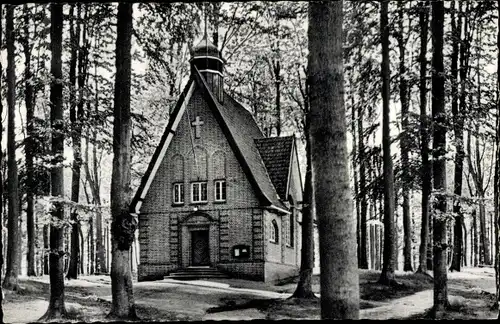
(192, 273)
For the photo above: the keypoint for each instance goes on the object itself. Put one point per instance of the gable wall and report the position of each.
(240, 193)
(238, 221)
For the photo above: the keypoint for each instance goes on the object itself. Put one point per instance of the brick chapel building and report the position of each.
(218, 193)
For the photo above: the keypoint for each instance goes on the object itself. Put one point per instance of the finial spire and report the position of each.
(205, 13)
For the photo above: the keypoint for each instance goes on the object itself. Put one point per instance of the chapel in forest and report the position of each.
(217, 194)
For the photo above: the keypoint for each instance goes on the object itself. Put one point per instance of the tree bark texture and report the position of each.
(304, 286)
(458, 130)
(337, 226)
(56, 303)
(387, 275)
(496, 177)
(29, 147)
(425, 171)
(123, 226)
(404, 143)
(75, 178)
(363, 206)
(13, 248)
(439, 163)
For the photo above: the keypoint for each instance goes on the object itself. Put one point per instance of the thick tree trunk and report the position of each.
(28, 93)
(425, 171)
(304, 286)
(439, 163)
(123, 223)
(458, 130)
(387, 275)
(405, 107)
(13, 248)
(56, 304)
(336, 224)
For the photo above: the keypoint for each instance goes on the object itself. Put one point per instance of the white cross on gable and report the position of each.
(197, 123)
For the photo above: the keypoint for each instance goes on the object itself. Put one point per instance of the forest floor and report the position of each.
(471, 294)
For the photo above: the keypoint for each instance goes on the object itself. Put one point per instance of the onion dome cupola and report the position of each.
(206, 58)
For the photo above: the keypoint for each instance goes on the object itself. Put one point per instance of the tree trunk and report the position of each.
(75, 179)
(100, 253)
(13, 249)
(337, 227)
(1, 174)
(496, 178)
(277, 83)
(458, 130)
(82, 250)
(56, 304)
(46, 247)
(439, 163)
(405, 106)
(363, 263)
(124, 224)
(387, 275)
(425, 171)
(28, 93)
(304, 286)
(91, 246)
(355, 180)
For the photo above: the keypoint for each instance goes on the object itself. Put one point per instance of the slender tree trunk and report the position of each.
(56, 304)
(458, 130)
(1, 174)
(100, 253)
(405, 105)
(46, 249)
(356, 182)
(91, 246)
(439, 163)
(426, 171)
(277, 83)
(304, 286)
(124, 224)
(13, 248)
(75, 179)
(29, 148)
(387, 275)
(496, 179)
(337, 226)
(82, 250)
(363, 262)
(479, 176)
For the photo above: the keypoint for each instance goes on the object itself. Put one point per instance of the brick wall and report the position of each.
(237, 221)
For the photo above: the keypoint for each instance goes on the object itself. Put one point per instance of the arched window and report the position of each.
(275, 231)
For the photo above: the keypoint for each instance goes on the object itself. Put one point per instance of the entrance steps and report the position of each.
(193, 273)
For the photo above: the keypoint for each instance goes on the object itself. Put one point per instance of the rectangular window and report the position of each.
(198, 192)
(178, 193)
(220, 190)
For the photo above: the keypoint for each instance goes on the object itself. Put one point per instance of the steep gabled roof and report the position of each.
(276, 153)
(240, 129)
(160, 149)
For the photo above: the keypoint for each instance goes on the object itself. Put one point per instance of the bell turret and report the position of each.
(206, 58)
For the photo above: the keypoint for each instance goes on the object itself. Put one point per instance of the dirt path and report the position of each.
(190, 300)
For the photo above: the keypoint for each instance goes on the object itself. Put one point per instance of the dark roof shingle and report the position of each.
(276, 153)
